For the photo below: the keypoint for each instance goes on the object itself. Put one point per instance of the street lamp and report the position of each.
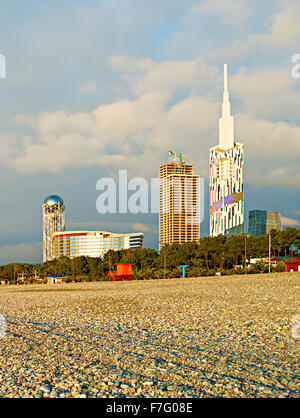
(245, 253)
(269, 253)
(165, 261)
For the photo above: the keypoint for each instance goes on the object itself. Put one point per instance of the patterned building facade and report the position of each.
(227, 176)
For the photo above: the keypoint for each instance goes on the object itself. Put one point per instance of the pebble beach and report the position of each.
(180, 338)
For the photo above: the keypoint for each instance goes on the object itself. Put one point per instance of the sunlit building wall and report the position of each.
(179, 204)
(93, 243)
(53, 221)
(226, 176)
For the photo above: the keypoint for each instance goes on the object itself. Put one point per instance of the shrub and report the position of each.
(280, 267)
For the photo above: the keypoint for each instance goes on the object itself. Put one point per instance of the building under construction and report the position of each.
(179, 202)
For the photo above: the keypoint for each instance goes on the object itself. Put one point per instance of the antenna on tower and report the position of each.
(225, 79)
(226, 124)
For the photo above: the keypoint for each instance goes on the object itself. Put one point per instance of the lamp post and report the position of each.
(183, 270)
(73, 270)
(269, 253)
(165, 260)
(245, 253)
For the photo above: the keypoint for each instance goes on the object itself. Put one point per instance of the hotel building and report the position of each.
(179, 203)
(226, 176)
(93, 243)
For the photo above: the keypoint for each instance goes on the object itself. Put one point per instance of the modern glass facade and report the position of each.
(261, 222)
(93, 243)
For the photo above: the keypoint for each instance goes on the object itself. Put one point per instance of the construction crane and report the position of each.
(181, 158)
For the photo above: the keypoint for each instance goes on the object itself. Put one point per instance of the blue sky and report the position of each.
(97, 86)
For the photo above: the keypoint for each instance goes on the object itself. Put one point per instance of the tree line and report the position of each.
(225, 255)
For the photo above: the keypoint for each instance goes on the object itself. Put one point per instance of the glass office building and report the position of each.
(261, 222)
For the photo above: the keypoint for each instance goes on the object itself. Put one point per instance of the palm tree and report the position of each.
(290, 237)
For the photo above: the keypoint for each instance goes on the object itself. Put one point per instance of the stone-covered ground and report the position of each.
(205, 337)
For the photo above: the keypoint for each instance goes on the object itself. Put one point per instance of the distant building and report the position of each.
(53, 221)
(22, 278)
(226, 176)
(93, 243)
(54, 280)
(122, 272)
(261, 222)
(179, 202)
(292, 263)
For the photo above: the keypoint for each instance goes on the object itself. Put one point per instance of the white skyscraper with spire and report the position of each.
(226, 176)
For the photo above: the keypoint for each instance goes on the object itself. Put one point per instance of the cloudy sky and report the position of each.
(100, 85)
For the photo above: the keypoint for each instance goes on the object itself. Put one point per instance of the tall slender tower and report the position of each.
(53, 221)
(226, 176)
(179, 202)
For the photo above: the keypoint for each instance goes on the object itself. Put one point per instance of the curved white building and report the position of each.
(93, 243)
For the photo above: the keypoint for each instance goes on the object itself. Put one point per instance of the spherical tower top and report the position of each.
(53, 200)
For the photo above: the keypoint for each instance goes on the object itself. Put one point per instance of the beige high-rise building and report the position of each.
(179, 202)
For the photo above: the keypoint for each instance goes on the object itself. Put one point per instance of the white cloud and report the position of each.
(268, 93)
(107, 136)
(145, 75)
(139, 227)
(120, 134)
(289, 222)
(135, 133)
(285, 30)
(88, 87)
(272, 151)
(127, 134)
(242, 49)
(283, 33)
(235, 11)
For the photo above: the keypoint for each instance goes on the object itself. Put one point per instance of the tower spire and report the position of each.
(226, 123)
(225, 78)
